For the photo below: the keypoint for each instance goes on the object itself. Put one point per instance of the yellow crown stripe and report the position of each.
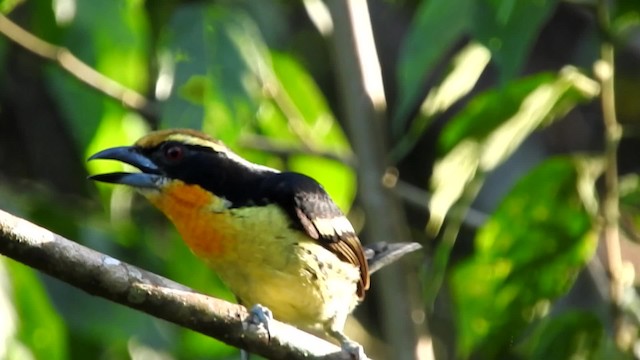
(185, 136)
(190, 140)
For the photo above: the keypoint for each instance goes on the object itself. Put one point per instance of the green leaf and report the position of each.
(209, 72)
(43, 23)
(116, 128)
(488, 110)
(241, 89)
(437, 25)
(466, 68)
(305, 108)
(527, 255)
(194, 345)
(7, 6)
(630, 206)
(625, 19)
(195, 89)
(110, 36)
(309, 124)
(509, 28)
(237, 54)
(494, 125)
(187, 64)
(40, 328)
(573, 335)
(219, 55)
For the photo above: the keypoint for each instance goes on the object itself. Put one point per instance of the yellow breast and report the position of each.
(260, 257)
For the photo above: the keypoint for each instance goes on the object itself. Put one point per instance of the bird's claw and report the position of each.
(260, 316)
(351, 350)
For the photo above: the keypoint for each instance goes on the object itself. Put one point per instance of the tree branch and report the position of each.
(101, 275)
(360, 84)
(604, 69)
(76, 67)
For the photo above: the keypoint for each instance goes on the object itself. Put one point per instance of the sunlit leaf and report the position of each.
(466, 68)
(9, 343)
(509, 28)
(7, 6)
(305, 108)
(555, 94)
(488, 110)
(541, 106)
(494, 124)
(436, 26)
(39, 326)
(450, 178)
(121, 47)
(527, 255)
(117, 128)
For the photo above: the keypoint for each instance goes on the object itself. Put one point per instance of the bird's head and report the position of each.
(179, 155)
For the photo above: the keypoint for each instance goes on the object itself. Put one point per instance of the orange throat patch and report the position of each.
(199, 216)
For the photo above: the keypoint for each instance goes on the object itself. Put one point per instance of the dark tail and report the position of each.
(382, 254)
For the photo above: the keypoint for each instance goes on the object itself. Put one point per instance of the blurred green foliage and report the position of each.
(527, 255)
(254, 75)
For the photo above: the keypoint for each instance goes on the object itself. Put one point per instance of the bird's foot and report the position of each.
(351, 350)
(260, 316)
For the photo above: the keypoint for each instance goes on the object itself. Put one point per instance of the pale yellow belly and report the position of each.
(304, 292)
(300, 281)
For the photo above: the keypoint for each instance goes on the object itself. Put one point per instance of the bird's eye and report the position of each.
(174, 153)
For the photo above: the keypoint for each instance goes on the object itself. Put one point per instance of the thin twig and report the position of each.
(101, 275)
(76, 67)
(605, 70)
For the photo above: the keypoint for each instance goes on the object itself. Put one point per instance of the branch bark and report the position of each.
(104, 276)
(605, 71)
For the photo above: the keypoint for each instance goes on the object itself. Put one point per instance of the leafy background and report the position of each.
(491, 140)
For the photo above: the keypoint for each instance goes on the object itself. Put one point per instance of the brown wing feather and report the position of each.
(350, 250)
(313, 211)
(333, 234)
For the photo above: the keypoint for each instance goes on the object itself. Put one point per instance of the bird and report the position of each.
(276, 239)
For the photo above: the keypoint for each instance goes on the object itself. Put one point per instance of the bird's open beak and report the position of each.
(150, 177)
